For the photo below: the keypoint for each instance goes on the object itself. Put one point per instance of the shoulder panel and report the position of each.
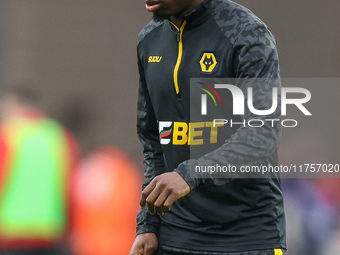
(233, 18)
(147, 29)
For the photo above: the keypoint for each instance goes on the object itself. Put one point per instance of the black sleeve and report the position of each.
(255, 65)
(147, 130)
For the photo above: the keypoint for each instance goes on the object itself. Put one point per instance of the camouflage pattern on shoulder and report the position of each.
(233, 18)
(147, 29)
(249, 36)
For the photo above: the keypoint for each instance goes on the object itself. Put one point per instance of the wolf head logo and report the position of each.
(208, 62)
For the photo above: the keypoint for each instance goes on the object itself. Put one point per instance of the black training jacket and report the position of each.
(219, 38)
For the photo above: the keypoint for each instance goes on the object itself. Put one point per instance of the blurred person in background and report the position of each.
(107, 188)
(37, 157)
(312, 205)
(313, 218)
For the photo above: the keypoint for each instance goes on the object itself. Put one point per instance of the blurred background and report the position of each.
(80, 56)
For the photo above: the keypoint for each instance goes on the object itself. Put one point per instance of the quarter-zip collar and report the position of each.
(180, 53)
(197, 16)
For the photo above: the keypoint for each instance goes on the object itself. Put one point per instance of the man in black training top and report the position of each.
(206, 39)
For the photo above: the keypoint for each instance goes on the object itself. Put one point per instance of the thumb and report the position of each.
(137, 252)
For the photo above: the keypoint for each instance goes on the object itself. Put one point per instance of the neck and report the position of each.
(177, 21)
(179, 18)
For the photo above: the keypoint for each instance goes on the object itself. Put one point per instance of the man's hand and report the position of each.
(163, 191)
(144, 244)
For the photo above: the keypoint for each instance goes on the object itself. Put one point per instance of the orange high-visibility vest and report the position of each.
(107, 193)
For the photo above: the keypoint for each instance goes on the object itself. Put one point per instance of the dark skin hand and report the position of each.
(163, 191)
(159, 195)
(145, 244)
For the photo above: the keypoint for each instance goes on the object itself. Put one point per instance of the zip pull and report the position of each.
(178, 35)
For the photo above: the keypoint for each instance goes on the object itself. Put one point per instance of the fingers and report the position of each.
(162, 192)
(154, 196)
(139, 251)
(146, 193)
(156, 199)
(158, 205)
(160, 201)
(169, 201)
(150, 200)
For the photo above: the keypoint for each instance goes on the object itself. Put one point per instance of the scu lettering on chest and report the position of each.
(153, 59)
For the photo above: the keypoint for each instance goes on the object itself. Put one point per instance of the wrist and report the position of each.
(184, 170)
